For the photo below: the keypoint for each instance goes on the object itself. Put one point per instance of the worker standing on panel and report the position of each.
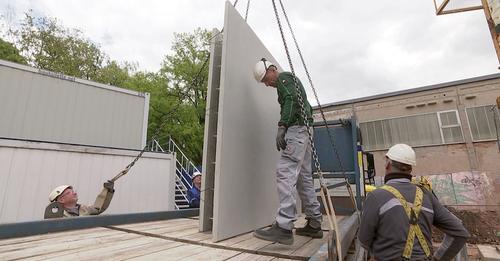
(294, 166)
(397, 218)
(64, 202)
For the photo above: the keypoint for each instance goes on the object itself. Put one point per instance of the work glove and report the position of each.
(280, 138)
(109, 185)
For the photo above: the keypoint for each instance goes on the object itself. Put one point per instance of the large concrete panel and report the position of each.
(45, 106)
(30, 170)
(245, 194)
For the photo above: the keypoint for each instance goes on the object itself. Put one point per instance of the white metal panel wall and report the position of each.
(30, 170)
(245, 181)
(36, 106)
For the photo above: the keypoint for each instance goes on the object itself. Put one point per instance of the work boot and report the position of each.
(275, 234)
(311, 229)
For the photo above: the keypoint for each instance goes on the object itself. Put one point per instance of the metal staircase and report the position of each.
(184, 169)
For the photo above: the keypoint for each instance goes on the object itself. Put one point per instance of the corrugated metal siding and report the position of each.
(30, 170)
(39, 107)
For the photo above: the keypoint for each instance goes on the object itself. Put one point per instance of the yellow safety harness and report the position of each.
(412, 213)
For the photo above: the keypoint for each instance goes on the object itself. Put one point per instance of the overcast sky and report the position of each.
(352, 50)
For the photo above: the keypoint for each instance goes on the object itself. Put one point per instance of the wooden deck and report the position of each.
(175, 239)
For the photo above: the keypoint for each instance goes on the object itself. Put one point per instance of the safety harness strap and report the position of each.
(413, 214)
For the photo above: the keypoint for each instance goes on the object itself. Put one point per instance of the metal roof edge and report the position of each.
(413, 90)
(62, 76)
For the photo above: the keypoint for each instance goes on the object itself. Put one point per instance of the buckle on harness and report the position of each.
(413, 218)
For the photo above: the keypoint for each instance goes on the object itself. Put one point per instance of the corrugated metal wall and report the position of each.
(57, 108)
(30, 170)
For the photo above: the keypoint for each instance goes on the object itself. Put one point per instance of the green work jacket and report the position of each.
(289, 103)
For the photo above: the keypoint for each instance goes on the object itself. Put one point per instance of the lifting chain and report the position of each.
(248, 7)
(330, 135)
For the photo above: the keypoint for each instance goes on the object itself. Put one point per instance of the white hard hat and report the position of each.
(195, 174)
(57, 192)
(402, 153)
(260, 69)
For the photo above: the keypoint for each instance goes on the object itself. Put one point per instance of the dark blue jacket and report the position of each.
(193, 196)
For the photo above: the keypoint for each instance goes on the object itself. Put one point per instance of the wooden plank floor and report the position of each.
(176, 239)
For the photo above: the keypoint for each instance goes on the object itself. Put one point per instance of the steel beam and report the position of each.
(22, 229)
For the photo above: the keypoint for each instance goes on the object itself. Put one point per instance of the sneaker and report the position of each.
(311, 229)
(275, 234)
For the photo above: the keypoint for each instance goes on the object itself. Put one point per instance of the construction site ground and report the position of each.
(483, 225)
(175, 239)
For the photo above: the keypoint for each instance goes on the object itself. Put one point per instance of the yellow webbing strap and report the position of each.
(412, 213)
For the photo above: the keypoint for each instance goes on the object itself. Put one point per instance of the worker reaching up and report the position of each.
(397, 218)
(294, 165)
(64, 202)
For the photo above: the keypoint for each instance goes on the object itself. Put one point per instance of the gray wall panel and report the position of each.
(30, 170)
(245, 180)
(36, 106)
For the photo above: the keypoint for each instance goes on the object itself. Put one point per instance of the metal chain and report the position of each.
(248, 6)
(301, 101)
(330, 135)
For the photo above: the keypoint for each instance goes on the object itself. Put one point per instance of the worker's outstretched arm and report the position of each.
(455, 233)
(104, 198)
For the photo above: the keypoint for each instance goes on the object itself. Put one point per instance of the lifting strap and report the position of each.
(412, 213)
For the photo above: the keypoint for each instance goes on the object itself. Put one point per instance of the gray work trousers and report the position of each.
(294, 171)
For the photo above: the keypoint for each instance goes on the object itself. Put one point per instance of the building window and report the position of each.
(416, 130)
(482, 122)
(451, 130)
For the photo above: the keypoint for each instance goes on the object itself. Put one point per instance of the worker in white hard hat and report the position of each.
(193, 194)
(294, 169)
(64, 202)
(397, 218)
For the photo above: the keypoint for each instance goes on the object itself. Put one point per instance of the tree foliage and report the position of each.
(187, 68)
(10, 53)
(50, 46)
(185, 72)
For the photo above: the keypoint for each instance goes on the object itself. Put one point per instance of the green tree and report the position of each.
(10, 53)
(50, 46)
(187, 69)
(115, 74)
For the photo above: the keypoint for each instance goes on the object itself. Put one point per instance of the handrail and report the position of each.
(184, 185)
(183, 165)
(189, 185)
(171, 143)
(183, 195)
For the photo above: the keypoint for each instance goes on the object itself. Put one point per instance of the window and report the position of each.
(482, 122)
(416, 130)
(450, 127)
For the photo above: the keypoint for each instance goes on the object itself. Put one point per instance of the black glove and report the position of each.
(109, 185)
(280, 138)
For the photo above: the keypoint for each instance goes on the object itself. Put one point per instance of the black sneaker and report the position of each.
(311, 229)
(275, 234)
